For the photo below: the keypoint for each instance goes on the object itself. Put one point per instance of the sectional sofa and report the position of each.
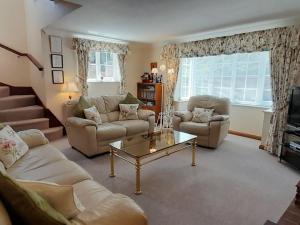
(43, 162)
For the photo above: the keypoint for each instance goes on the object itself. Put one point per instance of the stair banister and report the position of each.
(30, 57)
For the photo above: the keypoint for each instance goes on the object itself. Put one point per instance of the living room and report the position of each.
(77, 120)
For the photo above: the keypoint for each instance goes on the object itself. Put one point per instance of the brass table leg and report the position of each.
(138, 177)
(112, 166)
(194, 152)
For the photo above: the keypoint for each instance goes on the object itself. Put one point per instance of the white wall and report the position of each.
(39, 14)
(13, 34)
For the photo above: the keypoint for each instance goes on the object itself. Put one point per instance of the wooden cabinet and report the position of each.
(151, 95)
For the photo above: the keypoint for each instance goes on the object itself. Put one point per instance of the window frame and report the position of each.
(189, 64)
(115, 78)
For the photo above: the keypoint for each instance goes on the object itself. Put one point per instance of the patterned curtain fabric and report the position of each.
(83, 67)
(285, 67)
(121, 59)
(84, 46)
(284, 46)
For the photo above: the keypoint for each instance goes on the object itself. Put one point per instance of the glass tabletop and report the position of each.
(143, 145)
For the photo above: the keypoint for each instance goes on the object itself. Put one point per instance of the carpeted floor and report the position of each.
(237, 184)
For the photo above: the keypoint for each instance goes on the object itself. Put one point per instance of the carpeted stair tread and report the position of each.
(16, 101)
(40, 123)
(53, 133)
(22, 113)
(4, 91)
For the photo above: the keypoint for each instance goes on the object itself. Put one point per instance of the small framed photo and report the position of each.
(57, 61)
(58, 77)
(55, 44)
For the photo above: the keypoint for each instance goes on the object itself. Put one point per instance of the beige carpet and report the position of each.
(237, 184)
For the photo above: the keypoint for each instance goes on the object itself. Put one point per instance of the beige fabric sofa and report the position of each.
(92, 139)
(43, 162)
(209, 134)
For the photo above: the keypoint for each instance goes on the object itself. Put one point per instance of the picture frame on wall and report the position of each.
(55, 44)
(57, 61)
(58, 77)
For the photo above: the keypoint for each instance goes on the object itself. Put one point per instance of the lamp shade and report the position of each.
(162, 67)
(154, 70)
(70, 87)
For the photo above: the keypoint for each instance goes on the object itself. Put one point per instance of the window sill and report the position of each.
(235, 104)
(101, 81)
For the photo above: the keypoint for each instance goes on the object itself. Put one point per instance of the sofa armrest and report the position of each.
(79, 122)
(144, 114)
(184, 115)
(33, 137)
(219, 118)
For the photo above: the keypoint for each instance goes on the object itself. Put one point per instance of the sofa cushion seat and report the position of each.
(60, 172)
(195, 128)
(110, 131)
(38, 157)
(133, 126)
(104, 207)
(90, 193)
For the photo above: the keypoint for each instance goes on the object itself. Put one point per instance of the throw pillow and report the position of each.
(26, 206)
(128, 111)
(80, 106)
(92, 114)
(56, 194)
(131, 99)
(1, 126)
(202, 115)
(12, 147)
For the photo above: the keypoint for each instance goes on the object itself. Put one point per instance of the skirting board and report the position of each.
(244, 134)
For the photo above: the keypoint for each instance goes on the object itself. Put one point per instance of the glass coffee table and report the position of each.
(143, 149)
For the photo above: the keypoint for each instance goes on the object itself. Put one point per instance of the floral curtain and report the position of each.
(84, 46)
(284, 46)
(121, 59)
(285, 67)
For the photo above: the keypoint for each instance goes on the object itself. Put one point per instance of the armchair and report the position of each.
(209, 134)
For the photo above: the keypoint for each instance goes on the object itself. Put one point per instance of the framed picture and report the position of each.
(58, 77)
(55, 44)
(57, 61)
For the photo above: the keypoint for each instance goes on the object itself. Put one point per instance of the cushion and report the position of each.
(33, 137)
(2, 126)
(92, 114)
(202, 115)
(112, 102)
(4, 217)
(134, 126)
(12, 147)
(98, 102)
(128, 111)
(27, 206)
(110, 131)
(56, 195)
(80, 106)
(131, 99)
(59, 172)
(115, 209)
(195, 128)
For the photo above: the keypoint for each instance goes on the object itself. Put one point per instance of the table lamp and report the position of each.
(70, 87)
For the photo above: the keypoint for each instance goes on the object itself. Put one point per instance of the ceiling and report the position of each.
(159, 20)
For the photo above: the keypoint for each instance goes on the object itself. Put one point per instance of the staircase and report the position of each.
(23, 111)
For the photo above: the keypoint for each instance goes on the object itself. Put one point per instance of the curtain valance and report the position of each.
(239, 43)
(87, 45)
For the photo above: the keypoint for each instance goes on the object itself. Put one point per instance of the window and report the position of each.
(244, 78)
(103, 66)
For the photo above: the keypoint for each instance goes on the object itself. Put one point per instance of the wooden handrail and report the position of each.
(30, 57)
